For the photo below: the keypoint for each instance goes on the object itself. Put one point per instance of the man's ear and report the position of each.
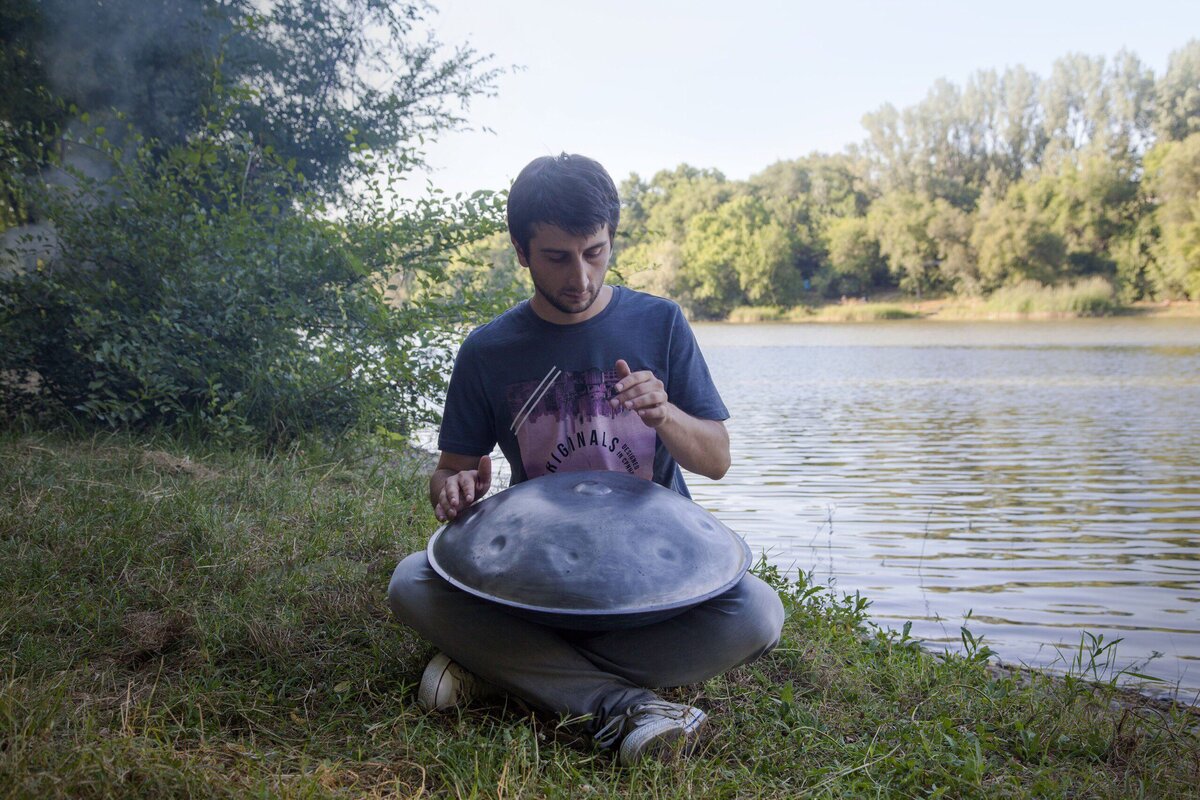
(522, 258)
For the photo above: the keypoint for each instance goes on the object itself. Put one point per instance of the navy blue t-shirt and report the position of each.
(541, 390)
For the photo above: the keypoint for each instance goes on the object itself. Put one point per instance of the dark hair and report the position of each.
(571, 192)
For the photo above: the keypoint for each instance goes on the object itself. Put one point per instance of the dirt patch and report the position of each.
(21, 382)
(176, 465)
(151, 633)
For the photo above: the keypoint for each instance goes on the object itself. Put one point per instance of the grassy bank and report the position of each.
(832, 312)
(202, 623)
(1093, 297)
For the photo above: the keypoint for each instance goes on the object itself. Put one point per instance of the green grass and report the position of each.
(182, 621)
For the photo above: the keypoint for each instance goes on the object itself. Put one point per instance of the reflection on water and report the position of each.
(1045, 476)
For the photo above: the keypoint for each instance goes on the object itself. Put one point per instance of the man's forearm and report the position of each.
(699, 445)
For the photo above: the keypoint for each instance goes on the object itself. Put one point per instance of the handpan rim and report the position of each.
(590, 612)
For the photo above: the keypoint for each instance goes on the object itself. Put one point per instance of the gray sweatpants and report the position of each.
(575, 673)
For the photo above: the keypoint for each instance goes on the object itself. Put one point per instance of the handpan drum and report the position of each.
(590, 551)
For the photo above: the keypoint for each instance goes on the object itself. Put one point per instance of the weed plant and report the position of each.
(757, 314)
(184, 621)
(1090, 297)
(851, 312)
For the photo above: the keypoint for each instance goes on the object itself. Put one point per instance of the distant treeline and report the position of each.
(1093, 171)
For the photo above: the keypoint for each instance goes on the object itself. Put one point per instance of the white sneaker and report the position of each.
(654, 728)
(445, 684)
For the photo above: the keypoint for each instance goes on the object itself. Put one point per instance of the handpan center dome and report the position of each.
(590, 550)
(593, 488)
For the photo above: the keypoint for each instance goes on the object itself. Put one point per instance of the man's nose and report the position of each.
(578, 273)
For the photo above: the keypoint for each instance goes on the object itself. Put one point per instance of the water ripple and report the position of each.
(1044, 476)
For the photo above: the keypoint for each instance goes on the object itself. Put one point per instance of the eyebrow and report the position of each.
(554, 250)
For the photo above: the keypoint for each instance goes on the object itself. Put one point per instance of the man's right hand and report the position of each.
(457, 483)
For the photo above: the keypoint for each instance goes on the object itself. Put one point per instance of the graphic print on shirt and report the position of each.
(564, 423)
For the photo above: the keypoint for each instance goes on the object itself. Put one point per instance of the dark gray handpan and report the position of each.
(590, 551)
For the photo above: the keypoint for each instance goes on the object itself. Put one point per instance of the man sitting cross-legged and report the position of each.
(581, 376)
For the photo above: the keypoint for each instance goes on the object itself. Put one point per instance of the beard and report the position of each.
(576, 307)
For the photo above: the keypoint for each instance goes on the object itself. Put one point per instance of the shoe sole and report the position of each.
(431, 683)
(664, 741)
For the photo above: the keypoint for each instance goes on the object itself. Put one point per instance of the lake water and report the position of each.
(1044, 476)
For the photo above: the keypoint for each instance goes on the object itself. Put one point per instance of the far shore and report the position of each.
(898, 307)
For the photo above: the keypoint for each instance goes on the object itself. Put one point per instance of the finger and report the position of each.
(638, 384)
(641, 384)
(466, 486)
(450, 493)
(483, 478)
(650, 398)
(627, 379)
(443, 511)
(653, 417)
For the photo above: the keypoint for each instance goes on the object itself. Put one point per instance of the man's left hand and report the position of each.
(641, 392)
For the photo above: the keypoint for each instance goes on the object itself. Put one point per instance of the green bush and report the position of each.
(196, 290)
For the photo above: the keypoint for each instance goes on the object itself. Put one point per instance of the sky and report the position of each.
(739, 84)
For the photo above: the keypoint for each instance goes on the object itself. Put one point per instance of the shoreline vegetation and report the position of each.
(1026, 301)
(186, 619)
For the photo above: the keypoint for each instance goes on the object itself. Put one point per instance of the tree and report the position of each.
(322, 69)
(943, 147)
(855, 263)
(1013, 239)
(900, 221)
(1173, 175)
(156, 73)
(317, 81)
(805, 194)
(1177, 95)
(708, 283)
(1131, 118)
(950, 228)
(738, 253)
(1093, 203)
(483, 272)
(29, 116)
(1019, 136)
(655, 218)
(663, 207)
(1075, 101)
(1092, 105)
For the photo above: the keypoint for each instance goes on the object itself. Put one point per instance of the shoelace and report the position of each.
(614, 729)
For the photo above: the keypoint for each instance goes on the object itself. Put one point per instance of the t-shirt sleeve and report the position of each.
(467, 421)
(690, 385)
